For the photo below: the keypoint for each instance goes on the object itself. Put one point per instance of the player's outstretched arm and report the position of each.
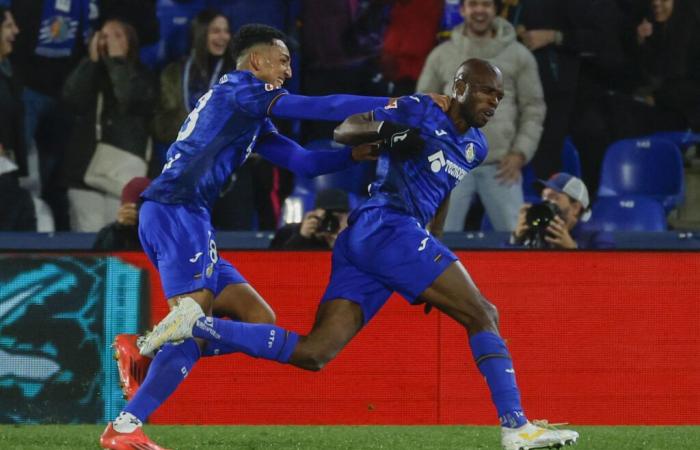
(330, 107)
(285, 152)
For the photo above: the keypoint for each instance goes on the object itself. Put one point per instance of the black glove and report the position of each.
(402, 140)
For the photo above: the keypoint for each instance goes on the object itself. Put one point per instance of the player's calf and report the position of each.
(311, 356)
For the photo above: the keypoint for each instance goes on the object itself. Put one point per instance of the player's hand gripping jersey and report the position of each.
(419, 184)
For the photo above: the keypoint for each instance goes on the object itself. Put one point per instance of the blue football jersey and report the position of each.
(215, 139)
(418, 185)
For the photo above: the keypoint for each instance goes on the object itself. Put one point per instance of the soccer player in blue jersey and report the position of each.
(228, 123)
(386, 248)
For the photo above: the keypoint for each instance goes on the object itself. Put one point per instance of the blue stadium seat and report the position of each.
(627, 213)
(529, 180)
(570, 159)
(570, 163)
(647, 166)
(174, 17)
(683, 139)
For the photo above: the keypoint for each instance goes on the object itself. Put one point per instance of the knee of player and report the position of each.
(490, 311)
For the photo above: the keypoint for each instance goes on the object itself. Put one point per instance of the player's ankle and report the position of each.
(126, 423)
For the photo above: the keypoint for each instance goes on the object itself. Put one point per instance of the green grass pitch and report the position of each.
(77, 437)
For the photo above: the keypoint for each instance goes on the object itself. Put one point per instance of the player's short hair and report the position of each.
(254, 34)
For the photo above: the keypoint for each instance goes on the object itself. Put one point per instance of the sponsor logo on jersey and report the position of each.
(437, 162)
(196, 257)
(413, 97)
(440, 132)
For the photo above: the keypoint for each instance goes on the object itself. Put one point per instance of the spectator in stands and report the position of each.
(410, 36)
(602, 74)
(45, 53)
(668, 59)
(112, 72)
(569, 196)
(123, 234)
(559, 33)
(11, 108)
(514, 131)
(183, 82)
(16, 205)
(320, 226)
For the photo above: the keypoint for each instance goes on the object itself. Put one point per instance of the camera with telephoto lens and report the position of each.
(538, 218)
(329, 223)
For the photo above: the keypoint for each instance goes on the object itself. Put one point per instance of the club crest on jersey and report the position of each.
(269, 87)
(470, 152)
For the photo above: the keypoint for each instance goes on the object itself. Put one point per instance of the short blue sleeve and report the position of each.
(408, 111)
(253, 97)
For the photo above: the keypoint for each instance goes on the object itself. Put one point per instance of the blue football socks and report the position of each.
(493, 360)
(259, 340)
(169, 367)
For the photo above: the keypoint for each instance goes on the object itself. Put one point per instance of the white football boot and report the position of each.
(176, 326)
(536, 435)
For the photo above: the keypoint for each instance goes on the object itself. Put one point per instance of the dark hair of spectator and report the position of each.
(254, 34)
(199, 34)
(132, 39)
(3, 10)
(498, 3)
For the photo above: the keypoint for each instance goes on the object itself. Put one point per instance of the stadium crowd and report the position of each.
(89, 84)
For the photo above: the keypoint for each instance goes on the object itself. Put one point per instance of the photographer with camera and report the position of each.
(320, 226)
(553, 222)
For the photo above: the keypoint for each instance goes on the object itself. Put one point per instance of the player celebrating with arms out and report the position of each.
(229, 122)
(386, 248)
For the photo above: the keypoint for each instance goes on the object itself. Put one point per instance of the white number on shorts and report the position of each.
(213, 254)
(191, 120)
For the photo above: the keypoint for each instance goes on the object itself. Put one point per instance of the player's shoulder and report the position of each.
(416, 103)
(239, 80)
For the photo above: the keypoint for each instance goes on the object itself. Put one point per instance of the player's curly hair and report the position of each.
(253, 34)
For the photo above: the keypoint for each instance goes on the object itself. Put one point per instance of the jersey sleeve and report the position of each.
(408, 111)
(267, 127)
(254, 97)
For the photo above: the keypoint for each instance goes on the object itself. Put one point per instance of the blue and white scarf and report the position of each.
(59, 26)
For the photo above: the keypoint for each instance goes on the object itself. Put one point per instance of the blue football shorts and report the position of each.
(381, 252)
(181, 243)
